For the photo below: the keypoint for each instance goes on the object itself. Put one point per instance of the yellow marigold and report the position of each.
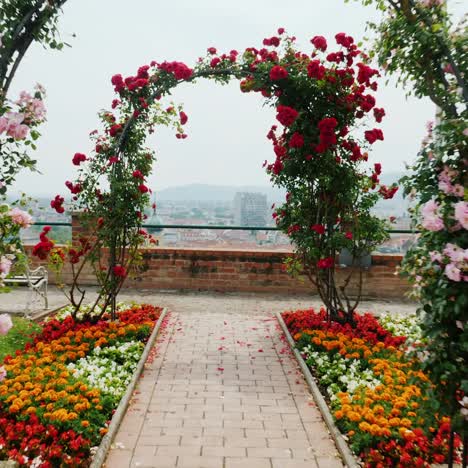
(85, 423)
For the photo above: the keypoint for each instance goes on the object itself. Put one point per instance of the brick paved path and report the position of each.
(223, 391)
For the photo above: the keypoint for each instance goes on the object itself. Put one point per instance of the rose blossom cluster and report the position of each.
(17, 124)
(445, 182)
(454, 261)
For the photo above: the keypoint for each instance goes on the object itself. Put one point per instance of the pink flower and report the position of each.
(452, 272)
(5, 324)
(3, 373)
(461, 213)
(431, 220)
(455, 253)
(3, 124)
(5, 265)
(20, 217)
(435, 256)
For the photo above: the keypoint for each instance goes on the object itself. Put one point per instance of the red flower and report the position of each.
(138, 174)
(113, 160)
(379, 114)
(74, 188)
(378, 168)
(349, 235)
(325, 262)
(272, 41)
(373, 135)
(178, 69)
(278, 73)
(143, 188)
(327, 131)
(42, 248)
(119, 271)
(296, 141)
(318, 228)
(365, 73)
(319, 42)
(280, 31)
(78, 158)
(183, 117)
(57, 203)
(315, 69)
(214, 62)
(344, 40)
(115, 130)
(286, 115)
(211, 50)
(388, 192)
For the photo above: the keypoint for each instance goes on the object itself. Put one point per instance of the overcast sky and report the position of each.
(226, 144)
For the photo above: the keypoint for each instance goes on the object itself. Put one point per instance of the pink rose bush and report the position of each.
(18, 132)
(437, 264)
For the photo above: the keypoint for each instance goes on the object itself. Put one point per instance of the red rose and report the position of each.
(344, 40)
(115, 130)
(183, 117)
(349, 235)
(365, 73)
(286, 115)
(378, 168)
(378, 114)
(119, 271)
(318, 228)
(316, 70)
(214, 62)
(278, 73)
(319, 42)
(143, 188)
(325, 263)
(78, 158)
(57, 203)
(113, 160)
(373, 135)
(296, 141)
(138, 174)
(211, 50)
(280, 31)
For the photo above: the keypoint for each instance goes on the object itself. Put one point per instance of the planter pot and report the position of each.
(346, 258)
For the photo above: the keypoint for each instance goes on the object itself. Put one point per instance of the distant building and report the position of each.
(250, 209)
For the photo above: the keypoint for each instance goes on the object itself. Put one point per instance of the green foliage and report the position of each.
(17, 337)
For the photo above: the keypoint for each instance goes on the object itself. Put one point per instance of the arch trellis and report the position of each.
(322, 102)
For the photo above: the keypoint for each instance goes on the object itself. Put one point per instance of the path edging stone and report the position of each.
(345, 452)
(103, 449)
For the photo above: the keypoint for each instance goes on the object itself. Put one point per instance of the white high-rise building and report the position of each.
(250, 209)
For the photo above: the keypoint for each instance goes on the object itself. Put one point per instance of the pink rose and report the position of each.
(5, 266)
(452, 272)
(461, 213)
(5, 324)
(20, 217)
(431, 220)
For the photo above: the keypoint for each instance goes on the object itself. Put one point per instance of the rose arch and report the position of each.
(325, 108)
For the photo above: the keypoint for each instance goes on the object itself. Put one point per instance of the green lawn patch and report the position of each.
(17, 336)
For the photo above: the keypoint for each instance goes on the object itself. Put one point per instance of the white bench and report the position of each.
(36, 280)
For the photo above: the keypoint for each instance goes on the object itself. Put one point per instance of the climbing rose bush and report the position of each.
(321, 98)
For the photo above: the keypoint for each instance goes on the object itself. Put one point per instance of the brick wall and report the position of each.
(249, 271)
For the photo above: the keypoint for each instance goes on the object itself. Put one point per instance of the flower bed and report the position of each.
(381, 400)
(60, 391)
